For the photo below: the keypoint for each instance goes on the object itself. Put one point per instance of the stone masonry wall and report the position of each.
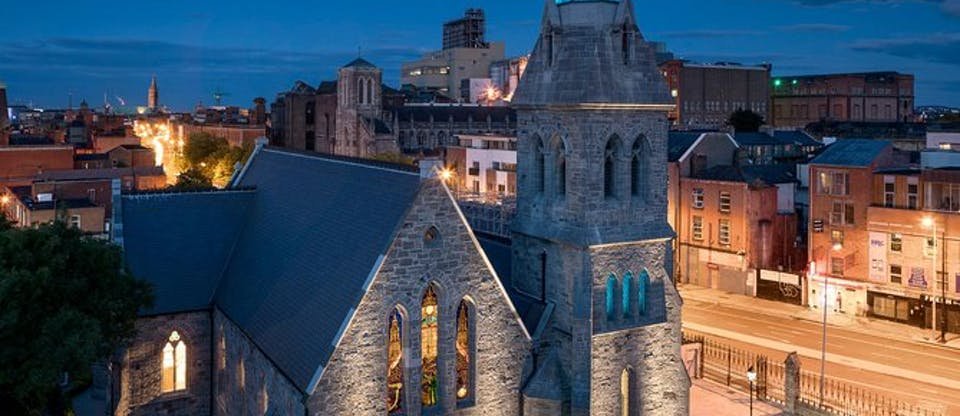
(651, 351)
(354, 380)
(141, 367)
(245, 381)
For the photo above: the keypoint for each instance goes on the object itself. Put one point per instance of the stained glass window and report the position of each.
(464, 386)
(642, 282)
(395, 364)
(429, 384)
(625, 392)
(173, 376)
(627, 290)
(611, 301)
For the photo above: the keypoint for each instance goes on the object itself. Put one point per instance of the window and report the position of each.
(724, 235)
(643, 280)
(842, 213)
(561, 164)
(173, 376)
(697, 228)
(913, 192)
(465, 357)
(431, 237)
(609, 167)
(75, 221)
(395, 379)
(369, 91)
(541, 170)
(896, 242)
(930, 248)
(638, 168)
(611, 297)
(836, 237)
(836, 266)
(625, 294)
(360, 91)
(834, 183)
(625, 377)
(429, 381)
(308, 114)
(725, 202)
(698, 198)
(896, 274)
(889, 191)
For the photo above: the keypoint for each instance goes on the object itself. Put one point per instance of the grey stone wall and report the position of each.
(584, 135)
(141, 367)
(353, 381)
(646, 344)
(245, 381)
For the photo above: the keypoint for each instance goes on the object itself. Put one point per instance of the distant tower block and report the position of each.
(153, 95)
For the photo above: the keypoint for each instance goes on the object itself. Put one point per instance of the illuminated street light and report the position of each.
(930, 223)
(4, 200)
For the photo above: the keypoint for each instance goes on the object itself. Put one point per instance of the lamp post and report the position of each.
(931, 223)
(837, 247)
(751, 377)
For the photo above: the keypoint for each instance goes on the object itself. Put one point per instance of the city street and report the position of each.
(885, 360)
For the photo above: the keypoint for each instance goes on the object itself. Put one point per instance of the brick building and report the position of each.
(26, 206)
(706, 95)
(20, 164)
(840, 198)
(870, 97)
(429, 128)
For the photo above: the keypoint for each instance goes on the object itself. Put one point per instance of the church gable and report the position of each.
(435, 328)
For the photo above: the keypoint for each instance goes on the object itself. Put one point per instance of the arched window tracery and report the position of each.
(429, 383)
(173, 376)
(395, 376)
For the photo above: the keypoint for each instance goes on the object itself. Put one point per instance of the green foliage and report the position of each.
(192, 180)
(397, 158)
(211, 158)
(745, 121)
(65, 302)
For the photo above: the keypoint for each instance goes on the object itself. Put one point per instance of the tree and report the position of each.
(193, 180)
(66, 301)
(745, 121)
(212, 158)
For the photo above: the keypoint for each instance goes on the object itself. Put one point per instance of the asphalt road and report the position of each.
(926, 375)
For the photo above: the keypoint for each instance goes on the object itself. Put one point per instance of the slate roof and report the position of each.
(758, 139)
(796, 137)
(359, 63)
(750, 174)
(180, 242)
(851, 152)
(24, 140)
(498, 251)
(107, 173)
(91, 156)
(306, 251)
(678, 143)
(584, 68)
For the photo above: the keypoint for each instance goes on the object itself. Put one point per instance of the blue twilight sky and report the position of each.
(251, 48)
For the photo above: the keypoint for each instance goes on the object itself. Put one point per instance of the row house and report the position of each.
(483, 166)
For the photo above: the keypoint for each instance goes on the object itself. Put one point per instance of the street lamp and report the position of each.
(751, 377)
(823, 342)
(929, 222)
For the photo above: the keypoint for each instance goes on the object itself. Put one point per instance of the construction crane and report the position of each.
(218, 95)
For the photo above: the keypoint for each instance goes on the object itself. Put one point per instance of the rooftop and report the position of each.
(852, 152)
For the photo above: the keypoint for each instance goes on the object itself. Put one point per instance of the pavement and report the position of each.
(887, 358)
(711, 399)
(875, 327)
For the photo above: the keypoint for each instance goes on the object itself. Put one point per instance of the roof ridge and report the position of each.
(367, 163)
(183, 192)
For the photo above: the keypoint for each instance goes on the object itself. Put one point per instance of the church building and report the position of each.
(332, 285)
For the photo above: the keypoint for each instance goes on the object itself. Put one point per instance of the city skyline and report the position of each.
(251, 50)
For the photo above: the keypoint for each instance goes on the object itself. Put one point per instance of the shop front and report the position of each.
(898, 308)
(842, 296)
(951, 308)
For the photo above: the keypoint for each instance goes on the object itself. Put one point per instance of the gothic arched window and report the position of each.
(369, 91)
(610, 155)
(360, 92)
(626, 43)
(561, 167)
(173, 376)
(395, 381)
(465, 358)
(611, 298)
(626, 293)
(643, 281)
(638, 168)
(625, 383)
(308, 114)
(429, 382)
(540, 169)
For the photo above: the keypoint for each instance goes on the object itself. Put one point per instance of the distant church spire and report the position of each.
(153, 95)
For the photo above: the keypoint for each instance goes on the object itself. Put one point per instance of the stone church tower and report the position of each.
(359, 91)
(591, 236)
